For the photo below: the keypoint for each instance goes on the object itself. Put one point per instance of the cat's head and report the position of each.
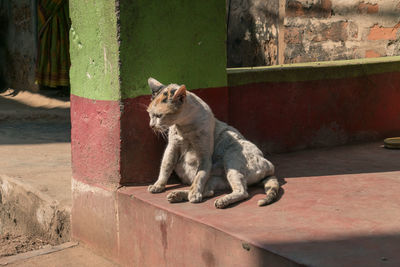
(166, 104)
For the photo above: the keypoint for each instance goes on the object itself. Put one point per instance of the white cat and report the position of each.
(204, 152)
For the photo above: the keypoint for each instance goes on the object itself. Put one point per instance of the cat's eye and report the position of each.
(157, 115)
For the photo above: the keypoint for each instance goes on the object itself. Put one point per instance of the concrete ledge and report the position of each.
(313, 71)
(26, 209)
(338, 206)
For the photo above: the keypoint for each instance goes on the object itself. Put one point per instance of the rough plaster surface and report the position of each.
(347, 30)
(94, 51)
(252, 33)
(312, 30)
(27, 209)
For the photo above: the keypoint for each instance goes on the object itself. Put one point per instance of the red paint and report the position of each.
(95, 140)
(290, 116)
(151, 235)
(277, 117)
(141, 148)
(217, 99)
(93, 218)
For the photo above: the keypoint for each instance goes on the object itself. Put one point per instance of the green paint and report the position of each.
(179, 41)
(94, 70)
(313, 71)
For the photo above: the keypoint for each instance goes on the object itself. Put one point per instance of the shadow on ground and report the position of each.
(34, 132)
(29, 118)
(364, 250)
(349, 159)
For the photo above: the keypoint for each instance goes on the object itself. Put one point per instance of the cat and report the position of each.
(204, 152)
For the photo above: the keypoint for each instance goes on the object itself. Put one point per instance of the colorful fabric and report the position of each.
(53, 62)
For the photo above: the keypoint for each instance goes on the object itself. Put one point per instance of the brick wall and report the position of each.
(252, 32)
(316, 30)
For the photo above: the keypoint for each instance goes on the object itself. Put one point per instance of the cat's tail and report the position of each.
(271, 186)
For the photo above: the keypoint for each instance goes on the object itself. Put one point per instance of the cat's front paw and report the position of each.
(195, 197)
(155, 188)
(220, 203)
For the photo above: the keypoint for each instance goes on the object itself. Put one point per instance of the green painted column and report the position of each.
(173, 41)
(94, 50)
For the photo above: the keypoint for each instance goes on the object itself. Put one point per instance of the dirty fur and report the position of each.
(204, 152)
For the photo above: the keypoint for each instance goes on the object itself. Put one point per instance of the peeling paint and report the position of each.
(79, 188)
(160, 216)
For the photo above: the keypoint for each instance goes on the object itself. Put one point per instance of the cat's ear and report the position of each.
(155, 86)
(180, 93)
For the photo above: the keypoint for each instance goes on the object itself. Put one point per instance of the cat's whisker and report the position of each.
(164, 135)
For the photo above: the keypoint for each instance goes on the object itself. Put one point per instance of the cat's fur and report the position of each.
(204, 152)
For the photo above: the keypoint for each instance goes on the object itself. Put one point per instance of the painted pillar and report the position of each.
(115, 47)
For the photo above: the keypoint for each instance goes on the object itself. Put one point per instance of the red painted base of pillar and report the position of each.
(95, 140)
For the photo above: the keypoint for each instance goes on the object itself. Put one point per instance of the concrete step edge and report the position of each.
(24, 208)
(35, 253)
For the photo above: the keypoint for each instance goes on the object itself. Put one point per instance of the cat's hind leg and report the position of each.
(271, 186)
(239, 189)
(183, 195)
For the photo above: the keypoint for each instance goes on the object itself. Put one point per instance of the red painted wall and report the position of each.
(289, 116)
(114, 147)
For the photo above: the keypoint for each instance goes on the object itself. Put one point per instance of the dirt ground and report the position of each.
(12, 243)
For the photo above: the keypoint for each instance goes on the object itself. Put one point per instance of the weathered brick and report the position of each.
(293, 35)
(371, 53)
(336, 31)
(367, 8)
(294, 9)
(322, 9)
(353, 30)
(383, 33)
(326, 6)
